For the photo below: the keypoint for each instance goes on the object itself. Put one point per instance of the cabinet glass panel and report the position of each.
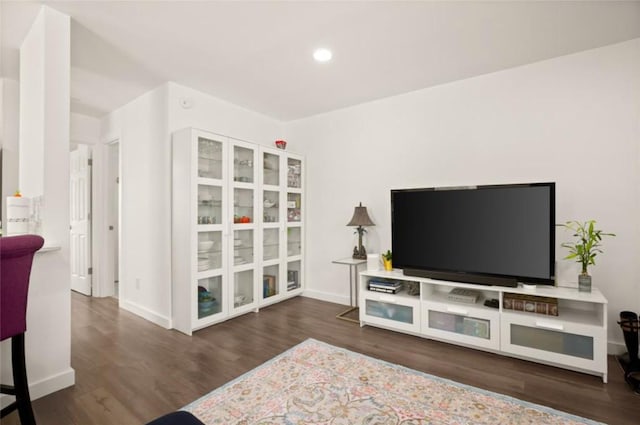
(209, 204)
(294, 201)
(209, 296)
(242, 247)
(270, 281)
(398, 313)
(293, 275)
(209, 251)
(209, 158)
(242, 206)
(243, 165)
(271, 171)
(242, 288)
(271, 207)
(553, 341)
(470, 326)
(294, 243)
(271, 244)
(294, 173)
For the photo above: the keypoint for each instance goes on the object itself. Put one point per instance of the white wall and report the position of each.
(9, 124)
(84, 129)
(574, 120)
(44, 171)
(217, 116)
(144, 128)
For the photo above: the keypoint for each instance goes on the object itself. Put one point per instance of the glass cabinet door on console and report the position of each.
(470, 322)
(399, 310)
(575, 336)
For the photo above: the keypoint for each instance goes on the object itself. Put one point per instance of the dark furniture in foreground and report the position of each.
(16, 253)
(177, 418)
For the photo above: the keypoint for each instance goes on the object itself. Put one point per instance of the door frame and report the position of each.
(103, 252)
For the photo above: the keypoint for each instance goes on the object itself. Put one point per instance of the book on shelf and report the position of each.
(268, 285)
(530, 304)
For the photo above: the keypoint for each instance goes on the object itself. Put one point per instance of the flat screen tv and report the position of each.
(491, 235)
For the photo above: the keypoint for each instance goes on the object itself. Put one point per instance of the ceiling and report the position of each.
(258, 55)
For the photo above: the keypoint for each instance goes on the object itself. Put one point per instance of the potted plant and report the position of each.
(386, 259)
(584, 249)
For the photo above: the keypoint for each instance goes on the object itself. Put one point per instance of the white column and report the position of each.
(44, 172)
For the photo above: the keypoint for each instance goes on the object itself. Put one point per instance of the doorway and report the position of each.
(80, 219)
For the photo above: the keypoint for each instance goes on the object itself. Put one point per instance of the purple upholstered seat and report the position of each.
(16, 257)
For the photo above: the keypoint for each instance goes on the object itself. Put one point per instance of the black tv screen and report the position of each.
(493, 235)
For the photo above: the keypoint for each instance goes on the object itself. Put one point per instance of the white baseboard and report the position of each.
(326, 296)
(45, 386)
(145, 313)
(616, 348)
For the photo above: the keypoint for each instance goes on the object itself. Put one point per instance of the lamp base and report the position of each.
(359, 253)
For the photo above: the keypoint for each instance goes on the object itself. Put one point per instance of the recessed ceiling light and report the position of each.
(322, 55)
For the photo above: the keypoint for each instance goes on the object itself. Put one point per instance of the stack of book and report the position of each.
(387, 286)
(530, 304)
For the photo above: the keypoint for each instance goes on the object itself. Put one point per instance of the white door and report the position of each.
(80, 196)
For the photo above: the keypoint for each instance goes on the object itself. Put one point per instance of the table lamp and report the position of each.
(360, 218)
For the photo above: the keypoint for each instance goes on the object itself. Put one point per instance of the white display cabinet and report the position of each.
(282, 225)
(199, 230)
(230, 228)
(574, 339)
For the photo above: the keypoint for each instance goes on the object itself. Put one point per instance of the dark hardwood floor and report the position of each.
(129, 371)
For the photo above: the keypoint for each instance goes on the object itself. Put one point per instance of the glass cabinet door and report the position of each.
(271, 206)
(294, 207)
(243, 288)
(209, 204)
(209, 158)
(271, 244)
(293, 275)
(294, 173)
(209, 296)
(243, 160)
(209, 251)
(294, 241)
(243, 211)
(270, 169)
(243, 252)
(270, 281)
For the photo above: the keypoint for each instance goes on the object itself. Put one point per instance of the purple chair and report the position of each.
(16, 254)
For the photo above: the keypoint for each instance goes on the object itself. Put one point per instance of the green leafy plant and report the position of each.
(587, 244)
(387, 255)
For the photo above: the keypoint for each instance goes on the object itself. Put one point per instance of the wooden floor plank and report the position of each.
(129, 371)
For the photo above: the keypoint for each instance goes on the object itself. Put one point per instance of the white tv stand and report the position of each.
(576, 339)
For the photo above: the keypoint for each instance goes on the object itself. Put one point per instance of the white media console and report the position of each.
(575, 339)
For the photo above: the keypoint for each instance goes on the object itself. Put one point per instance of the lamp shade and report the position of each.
(360, 217)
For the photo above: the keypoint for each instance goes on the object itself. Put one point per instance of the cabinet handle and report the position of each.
(457, 310)
(549, 325)
(387, 298)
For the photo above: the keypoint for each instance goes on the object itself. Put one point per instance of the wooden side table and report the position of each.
(353, 264)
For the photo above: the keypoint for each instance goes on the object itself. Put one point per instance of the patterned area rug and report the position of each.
(316, 383)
